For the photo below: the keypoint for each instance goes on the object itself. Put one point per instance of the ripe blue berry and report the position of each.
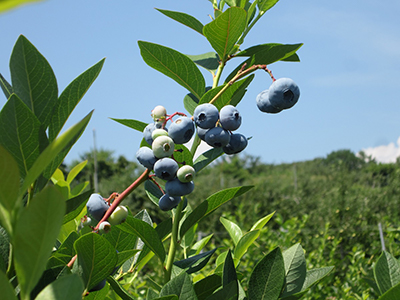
(283, 93)
(237, 144)
(163, 146)
(166, 168)
(182, 130)
(148, 131)
(98, 286)
(168, 202)
(96, 206)
(217, 137)
(206, 115)
(146, 157)
(230, 118)
(176, 188)
(264, 104)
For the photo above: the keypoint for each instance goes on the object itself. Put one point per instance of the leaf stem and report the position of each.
(174, 242)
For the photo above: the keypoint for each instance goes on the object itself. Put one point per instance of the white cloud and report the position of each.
(385, 153)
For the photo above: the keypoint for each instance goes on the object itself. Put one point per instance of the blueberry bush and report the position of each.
(60, 240)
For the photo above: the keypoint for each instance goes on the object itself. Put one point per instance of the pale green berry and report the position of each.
(159, 113)
(159, 132)
(163, 146)
(104, 227)
(185, 173)
(118, 216)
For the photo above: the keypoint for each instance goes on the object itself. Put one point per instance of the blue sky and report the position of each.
(348, 75)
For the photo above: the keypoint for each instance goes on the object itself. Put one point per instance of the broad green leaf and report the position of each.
(134, 124)
(99, 295)
(391, 294)
(20, 133)
(146, 233)
(35, 234)
(209, 61)
(4, 249)
(229, 274)
(6, 5)
(224, 31)
(118, 289)
(233, 3)
(268, 276)
(6, 87)
(123, 256)
(69, 287)
(183, 18)
(229, 94)
(10, 180)
(265, 54)
(261, 223)
(190, 102)
(182, 155)
(153, 191)
(195, 263)
(175, 65)
(206, 158)
(187, 239)
(387, 272)
(210, 205)
(75, 171)
(70, 97)
(33, 80)
(207, 286)
(199, 245)
(64, 253)
(264, 5)
(168, 297)
(228, 292)
(120, 239)
(295, 270)
(233, 229)
(181, 286)
(7, 290)
(245, 242)
(51, 152)
(96, 260)
(75, 206)
(49, 276)
(314, 276)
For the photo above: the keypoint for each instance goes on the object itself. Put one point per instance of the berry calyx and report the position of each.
(104, 227)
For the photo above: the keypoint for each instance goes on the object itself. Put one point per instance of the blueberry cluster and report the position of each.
(215, 127)
(159, 158)
(97, 207)
(282, 94)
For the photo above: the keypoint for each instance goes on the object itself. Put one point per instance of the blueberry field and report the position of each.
(182, 221)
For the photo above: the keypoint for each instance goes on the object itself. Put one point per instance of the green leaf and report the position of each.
(120, 239)
(99, 295)
(20, 129)
(228, 96)
(75, 171)
(181, 286)
(64, 253)
(97, 258)
(51, 152)
(264, 5)
(224, 31)
(10, 180)
(69, 287)
(134, 124)
(228, 292)
(268, 276)
(233, 229)
(206, 286)
(4, 249)
(190, 102)
(206, 158)
(387, 272)
(6, 87)
(229, 274)
(123, 256)
(199, 245)
(175, 65)
(183, 156)
(9, 4)
(195, 263)
(7, 290)
(75, 206)
(147, 233)
(210, 205)
(245, 242)
(314, 276)
(35, 234)
(153, 191)
(118, 289)
(168, 297)
(70, 97)
(209, 61)
(391, 294)
(261, 223)
(33, 80)
(295, 270)
(185, 19)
